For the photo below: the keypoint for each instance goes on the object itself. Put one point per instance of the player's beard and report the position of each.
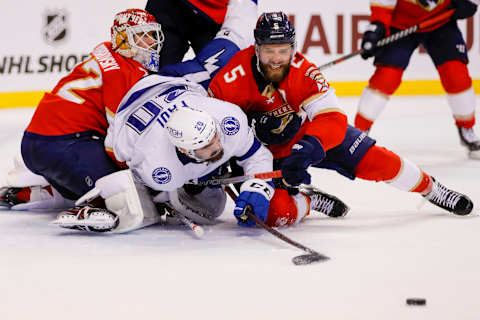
(275, 75)
(217, 157)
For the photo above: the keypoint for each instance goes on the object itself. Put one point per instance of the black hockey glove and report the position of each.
(375, 32)
(304, 153)
(463, 9)
(272, 130)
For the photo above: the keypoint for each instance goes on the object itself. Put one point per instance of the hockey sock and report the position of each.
(460, 95)
(286, 209)
(374, 98)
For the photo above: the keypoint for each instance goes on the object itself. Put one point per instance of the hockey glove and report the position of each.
(375, 32)
(272, 130)
(463, 9)
(304, 153)
(254, 194)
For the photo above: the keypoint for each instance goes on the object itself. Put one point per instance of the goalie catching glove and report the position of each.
(255, 194)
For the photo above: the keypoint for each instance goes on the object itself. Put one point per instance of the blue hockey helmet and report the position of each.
(274, 28)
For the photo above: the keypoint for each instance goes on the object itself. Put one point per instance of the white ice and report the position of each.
(382, 253)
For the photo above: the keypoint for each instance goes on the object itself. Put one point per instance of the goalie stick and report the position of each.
(310, 257)
(394, 37)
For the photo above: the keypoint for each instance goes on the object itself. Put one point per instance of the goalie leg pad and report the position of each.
(20, 176)
(202, 208)
(128, 199)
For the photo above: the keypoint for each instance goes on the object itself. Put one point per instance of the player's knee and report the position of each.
(454, 76)
(378, 164)
(386, 79)
(283, 209)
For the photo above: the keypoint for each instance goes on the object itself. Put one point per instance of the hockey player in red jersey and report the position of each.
(187, 23)
(63, 144)
(64, 139)
(446, 47)
(301, 122)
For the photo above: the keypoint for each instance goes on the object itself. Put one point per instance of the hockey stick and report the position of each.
(221, 181)
(310, 257)
(197, 230)
(394, 37)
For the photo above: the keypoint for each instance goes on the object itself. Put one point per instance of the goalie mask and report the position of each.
(195, 133)
(136, 34)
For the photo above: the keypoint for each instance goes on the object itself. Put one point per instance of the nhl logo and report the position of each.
(55, 26)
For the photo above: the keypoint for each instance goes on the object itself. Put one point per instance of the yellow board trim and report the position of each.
(343, 89)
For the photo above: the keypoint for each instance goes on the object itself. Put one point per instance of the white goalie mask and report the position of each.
(195, 133)
(137, 35)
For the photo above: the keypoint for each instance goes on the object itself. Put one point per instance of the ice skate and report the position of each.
(87, 219)
(324, 202)
(13, 196)
(449, 200)
(469, 139)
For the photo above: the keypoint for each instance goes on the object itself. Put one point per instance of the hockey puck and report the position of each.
(416, 301)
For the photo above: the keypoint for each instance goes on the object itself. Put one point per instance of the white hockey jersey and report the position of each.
(137, 135)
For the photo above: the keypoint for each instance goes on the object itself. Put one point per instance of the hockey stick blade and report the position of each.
(304, 259)
(308, 259)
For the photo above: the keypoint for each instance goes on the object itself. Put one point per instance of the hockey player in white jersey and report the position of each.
(168, 132)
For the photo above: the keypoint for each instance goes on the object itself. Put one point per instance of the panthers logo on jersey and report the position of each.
(429, 5)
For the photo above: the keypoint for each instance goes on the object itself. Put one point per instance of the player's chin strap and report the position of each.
(397, 36)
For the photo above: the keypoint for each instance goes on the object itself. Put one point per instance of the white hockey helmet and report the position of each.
(136, 34)
(193, 131)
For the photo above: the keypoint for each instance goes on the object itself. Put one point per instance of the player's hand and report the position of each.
(304, 153)
(463, 9)
(255, 194)
(272, 130)
(375, 32)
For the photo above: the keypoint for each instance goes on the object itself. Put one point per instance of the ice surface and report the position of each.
(382, 253)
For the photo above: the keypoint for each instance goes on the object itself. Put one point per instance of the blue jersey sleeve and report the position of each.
(201, 69)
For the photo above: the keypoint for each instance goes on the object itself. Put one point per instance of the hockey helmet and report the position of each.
(274, 28)
(137, 35)
(194, 132)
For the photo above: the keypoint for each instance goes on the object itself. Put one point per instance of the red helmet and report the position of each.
(137, 35)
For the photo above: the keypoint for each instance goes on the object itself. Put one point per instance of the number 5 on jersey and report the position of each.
(232, 75)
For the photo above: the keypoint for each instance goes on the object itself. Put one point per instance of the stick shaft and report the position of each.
(394, 37)
(221, 181)
(279, 235)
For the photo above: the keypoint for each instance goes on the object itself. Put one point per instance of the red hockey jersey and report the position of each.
(215, 9)
(240, 83)
(403, 14)
(91, 92)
